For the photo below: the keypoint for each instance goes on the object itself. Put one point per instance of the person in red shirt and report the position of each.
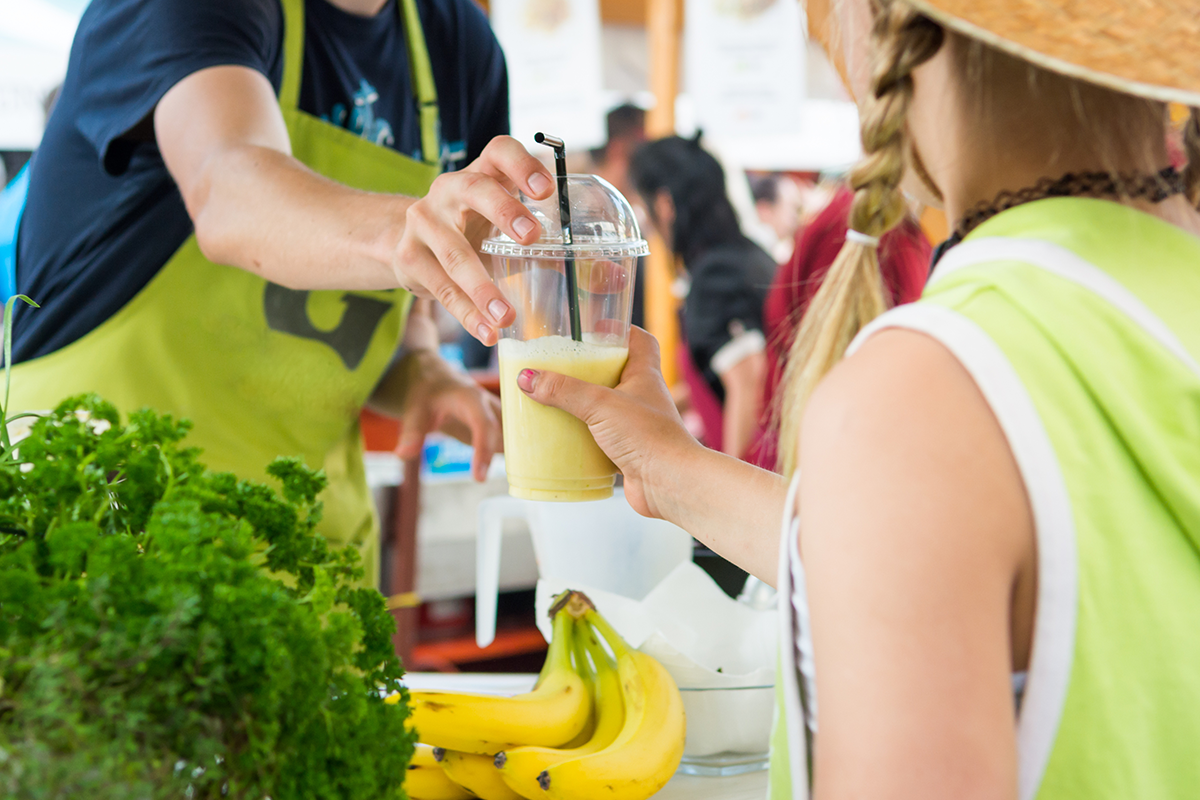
(904, 258)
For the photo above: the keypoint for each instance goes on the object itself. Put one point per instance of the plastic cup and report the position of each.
(549, 454)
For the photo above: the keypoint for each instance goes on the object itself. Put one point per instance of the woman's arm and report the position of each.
(917, 541)
(743, 384)
(730, 506)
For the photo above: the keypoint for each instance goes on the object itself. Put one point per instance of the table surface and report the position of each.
(749, 786)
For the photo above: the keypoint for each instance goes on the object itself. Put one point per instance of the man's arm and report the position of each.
(224, 142)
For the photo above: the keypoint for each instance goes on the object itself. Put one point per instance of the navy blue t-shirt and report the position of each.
(103, 214)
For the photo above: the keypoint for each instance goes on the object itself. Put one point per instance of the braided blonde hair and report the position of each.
(852, 293)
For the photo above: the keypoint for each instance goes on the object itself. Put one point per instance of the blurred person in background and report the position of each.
(682, 188)
(626, 125)
(12, 206)
(779, 202)
(904, 254)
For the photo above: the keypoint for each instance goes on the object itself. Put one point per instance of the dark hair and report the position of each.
(765, 188)
(626, 121)
(704, 217)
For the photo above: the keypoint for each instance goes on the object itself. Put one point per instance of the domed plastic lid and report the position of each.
(602, 225)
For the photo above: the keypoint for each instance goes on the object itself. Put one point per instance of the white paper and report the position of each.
(745, 65)
(704, 638)
(552, 48)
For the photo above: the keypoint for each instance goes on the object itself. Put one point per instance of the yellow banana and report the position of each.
(521, 766)
(426, 780)
(475, 773)
(553, 713)
(646, 753)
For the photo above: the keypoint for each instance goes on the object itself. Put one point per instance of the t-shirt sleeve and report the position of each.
(129, 53)
(488, 110)
(722, 306)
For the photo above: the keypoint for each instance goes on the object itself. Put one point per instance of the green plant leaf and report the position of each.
(5, 445)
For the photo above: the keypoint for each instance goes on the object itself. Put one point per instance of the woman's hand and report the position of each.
(635, 424)
(438, 254)
(428, 395)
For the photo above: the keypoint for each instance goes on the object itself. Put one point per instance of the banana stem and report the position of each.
(561, 644)
(599, 654)
(582, 666)
(613, 638)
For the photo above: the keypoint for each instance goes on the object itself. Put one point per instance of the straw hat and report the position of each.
(1142, 47)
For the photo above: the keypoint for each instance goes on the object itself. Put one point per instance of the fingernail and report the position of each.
(484, 332)
(525, 379)
(539, 183)
(498, 308)
(523, 226)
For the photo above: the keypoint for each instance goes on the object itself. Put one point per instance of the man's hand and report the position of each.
(438, 255)
(428, 395)
(254, 206)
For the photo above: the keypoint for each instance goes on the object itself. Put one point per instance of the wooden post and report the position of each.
(663, 19)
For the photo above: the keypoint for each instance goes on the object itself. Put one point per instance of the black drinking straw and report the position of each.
(564, 213)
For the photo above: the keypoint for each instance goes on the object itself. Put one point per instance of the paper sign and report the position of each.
(554, 73)
(745, 65)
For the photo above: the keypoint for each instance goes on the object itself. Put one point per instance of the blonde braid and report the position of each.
(1191, 146)
(852, 293)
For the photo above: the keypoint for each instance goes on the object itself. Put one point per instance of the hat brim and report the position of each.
(1041, 33)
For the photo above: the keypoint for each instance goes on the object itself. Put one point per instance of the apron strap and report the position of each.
(293, 53)
(423, 84)
(419, 64)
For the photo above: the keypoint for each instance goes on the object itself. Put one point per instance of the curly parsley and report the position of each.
(168, 632)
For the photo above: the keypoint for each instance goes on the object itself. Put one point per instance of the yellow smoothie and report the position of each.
(549, 454)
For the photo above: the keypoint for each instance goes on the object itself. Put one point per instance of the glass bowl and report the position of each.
(728, 729)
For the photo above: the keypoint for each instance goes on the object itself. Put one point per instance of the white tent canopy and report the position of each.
(35, 42)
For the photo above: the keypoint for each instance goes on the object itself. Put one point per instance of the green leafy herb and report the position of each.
(169, 632)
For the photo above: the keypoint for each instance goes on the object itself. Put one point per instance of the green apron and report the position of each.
(261, 370)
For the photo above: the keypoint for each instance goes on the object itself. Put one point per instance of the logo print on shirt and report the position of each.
(362, 119)
(287, 312)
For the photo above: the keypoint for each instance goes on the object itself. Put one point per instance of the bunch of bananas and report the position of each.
(592, 726)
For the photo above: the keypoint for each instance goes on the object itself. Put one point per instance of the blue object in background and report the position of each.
(452, 354)
(12, 204)
(444, 457)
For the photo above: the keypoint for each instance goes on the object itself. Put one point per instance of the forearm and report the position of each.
(263, 211)
(732, 507)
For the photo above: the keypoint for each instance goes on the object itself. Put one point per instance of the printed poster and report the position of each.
(745, 65)
(554, 70)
